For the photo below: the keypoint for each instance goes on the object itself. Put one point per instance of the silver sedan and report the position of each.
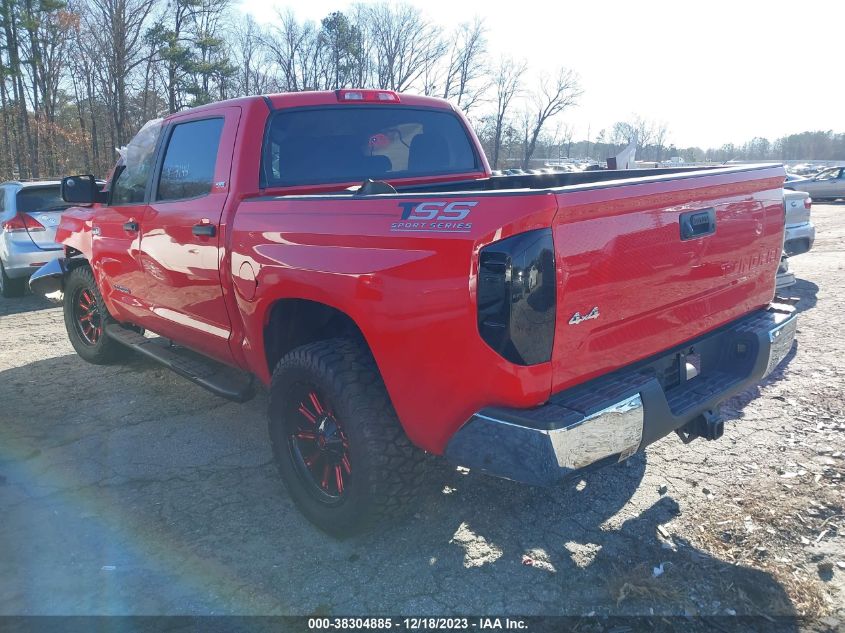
(828, 184)
(29, 215)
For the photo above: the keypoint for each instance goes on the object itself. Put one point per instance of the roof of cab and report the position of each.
(316, 98)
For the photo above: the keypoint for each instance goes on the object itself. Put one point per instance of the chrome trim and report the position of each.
(615, 429)
(545, 455)
(780, 342)
(49, 278)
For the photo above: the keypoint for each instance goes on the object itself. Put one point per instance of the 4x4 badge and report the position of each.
(577, 318)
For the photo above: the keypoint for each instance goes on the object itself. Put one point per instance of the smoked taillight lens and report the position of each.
(516, 297)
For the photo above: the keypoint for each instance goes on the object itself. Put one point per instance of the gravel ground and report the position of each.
(126, 490)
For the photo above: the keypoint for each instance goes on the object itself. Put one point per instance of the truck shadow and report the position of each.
(593, 546)
(132, 491)
(807, 292)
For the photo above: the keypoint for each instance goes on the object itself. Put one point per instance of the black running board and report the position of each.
(222, 380)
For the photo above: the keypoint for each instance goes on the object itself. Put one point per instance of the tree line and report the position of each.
(79, 77)
(653, 146)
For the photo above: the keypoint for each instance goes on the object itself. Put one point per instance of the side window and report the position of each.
(188, 167)
(132, 173)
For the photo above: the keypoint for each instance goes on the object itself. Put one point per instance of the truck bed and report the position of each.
(618, 249)
(602, 177)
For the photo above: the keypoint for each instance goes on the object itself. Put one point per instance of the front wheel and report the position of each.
(337, 442)
(86, 318)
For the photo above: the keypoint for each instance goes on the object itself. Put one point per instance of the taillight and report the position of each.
(370, 96)
(808, 203)
(22, 222)
(516, 297)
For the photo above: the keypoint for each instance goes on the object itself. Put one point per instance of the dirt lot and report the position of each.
(126, 490)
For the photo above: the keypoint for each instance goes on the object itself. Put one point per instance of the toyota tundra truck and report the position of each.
(351, 252)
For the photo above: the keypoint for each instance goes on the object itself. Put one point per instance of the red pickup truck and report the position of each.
(352, 251)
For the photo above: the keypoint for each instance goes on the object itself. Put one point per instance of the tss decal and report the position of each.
(439, 217)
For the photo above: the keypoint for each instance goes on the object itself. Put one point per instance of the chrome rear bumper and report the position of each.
(781, 338)
(49, 278)
(609, 419)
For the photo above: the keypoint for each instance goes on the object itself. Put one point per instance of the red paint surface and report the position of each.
(413, 294)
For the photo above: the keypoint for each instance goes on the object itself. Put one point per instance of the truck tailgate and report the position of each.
(630, 285)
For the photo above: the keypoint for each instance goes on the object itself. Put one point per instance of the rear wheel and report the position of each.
(11, 288)
(338, 444)
(86, 318)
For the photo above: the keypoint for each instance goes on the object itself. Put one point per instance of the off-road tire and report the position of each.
(387, 471)
(11, 288)
(105, 350)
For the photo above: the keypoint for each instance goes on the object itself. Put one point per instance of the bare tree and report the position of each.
(116, 28)
(248, 51)
(565, 135)
(290, 45)
(467, 75)
(404, 43)
(661, 130)
(639, 128)
(551, 97)
(507, 83)
(47, 27)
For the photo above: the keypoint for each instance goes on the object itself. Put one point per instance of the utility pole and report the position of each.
(589, 155)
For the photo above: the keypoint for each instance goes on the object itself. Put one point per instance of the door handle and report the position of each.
(132, 225)
(204, 230)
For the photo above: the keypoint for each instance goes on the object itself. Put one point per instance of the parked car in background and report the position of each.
(799, 234)
(804, 169)
(29, 215)
(828, 184)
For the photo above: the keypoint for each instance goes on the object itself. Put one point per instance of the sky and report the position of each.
(715, 71)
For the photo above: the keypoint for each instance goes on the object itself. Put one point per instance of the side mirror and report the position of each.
(82, 190)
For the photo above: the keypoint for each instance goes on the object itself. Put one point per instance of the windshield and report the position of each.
(352, 143)
(41, 199)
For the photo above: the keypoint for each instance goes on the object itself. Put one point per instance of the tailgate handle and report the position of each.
(697, 223)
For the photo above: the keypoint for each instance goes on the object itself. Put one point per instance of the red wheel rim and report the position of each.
(319, 446)
(86, 316)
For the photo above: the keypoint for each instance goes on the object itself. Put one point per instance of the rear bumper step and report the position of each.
(218, 378)
(610, 418)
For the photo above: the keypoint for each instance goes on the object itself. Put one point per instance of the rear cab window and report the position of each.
(338, 144)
